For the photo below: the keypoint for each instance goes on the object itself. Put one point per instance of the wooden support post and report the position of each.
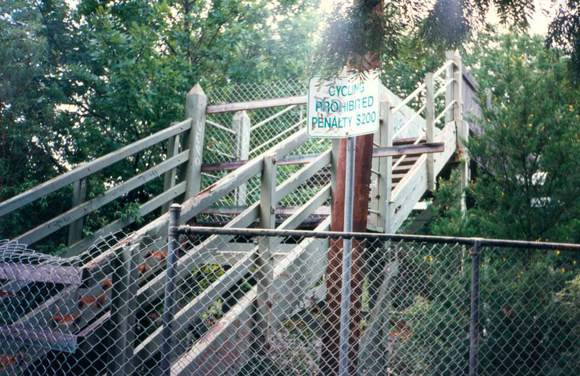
(195, 107)
(449, 90)
(385, 181)
(241, 124)
(75, 229)
(429, 128)
(264, 268)
(123, 308)
(169, 178)
(461, 126)
(330, 341)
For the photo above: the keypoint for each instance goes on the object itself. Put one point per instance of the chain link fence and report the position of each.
(243, 135)
(254, 302)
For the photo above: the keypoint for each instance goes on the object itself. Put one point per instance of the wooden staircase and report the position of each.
(79, 312)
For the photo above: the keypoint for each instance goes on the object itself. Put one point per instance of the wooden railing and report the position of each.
(383, 208)
(184, 144)
(136, 247)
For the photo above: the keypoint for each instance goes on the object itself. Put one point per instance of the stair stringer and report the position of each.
(414, 185)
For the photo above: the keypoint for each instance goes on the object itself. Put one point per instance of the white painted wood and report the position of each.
(263, 261)
(75, 229)
(241, 125)
(89, 168)
(381, 190)
(302, 175)
(462, 127)
(201, 303)
(197, 204)
(119, 224)
(255, 105)
(170, 176)
(198, 254)
(429, 128)
(228, 342)
(307, 209)
(449, 91)
(414, 185)
(85, 208)
(195, 107)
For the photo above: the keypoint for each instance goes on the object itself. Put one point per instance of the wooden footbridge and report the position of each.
(418, 138)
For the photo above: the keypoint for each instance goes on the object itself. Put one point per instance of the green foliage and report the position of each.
(527, 185)
(370, 31)
(564, 33)
(82, 81)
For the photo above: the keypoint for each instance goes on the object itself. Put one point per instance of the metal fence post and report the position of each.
(123, 307)
(474, 319)
(343, 364)
(169, 301)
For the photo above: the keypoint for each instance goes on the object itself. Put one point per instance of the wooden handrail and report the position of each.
(87, 207)
(90, 168)
(255, 105)
(408, 99)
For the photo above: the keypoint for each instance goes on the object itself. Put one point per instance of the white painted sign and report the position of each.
(343, 107)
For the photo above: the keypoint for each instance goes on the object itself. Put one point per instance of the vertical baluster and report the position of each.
(263, 261)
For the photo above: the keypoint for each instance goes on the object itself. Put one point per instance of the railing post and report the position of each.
(241, 124)
(264, 268)
(75, 229)
(449, 90)
(462, 126)
(474, 319)
(169, 178)
(169, 301)
(195, 107)
(123, 308)
(429, 128)
(385, 180)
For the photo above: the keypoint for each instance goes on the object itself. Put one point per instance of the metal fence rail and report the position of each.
(260, 302)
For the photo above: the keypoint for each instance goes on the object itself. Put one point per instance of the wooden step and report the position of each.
(408, 160)
(407, 141)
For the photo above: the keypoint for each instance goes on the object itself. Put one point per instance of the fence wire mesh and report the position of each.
(246, 304)
(243, 135)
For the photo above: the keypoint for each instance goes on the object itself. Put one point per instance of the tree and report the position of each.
(79, 82)
(382, 26)
(528, 180)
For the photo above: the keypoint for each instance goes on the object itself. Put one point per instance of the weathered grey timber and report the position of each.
(75, 229)
(171, 175)
(85, 208)
(430, 127)
(263, 258)
(241, 125)
(254, 105)
(195, 106)
(89, 168)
